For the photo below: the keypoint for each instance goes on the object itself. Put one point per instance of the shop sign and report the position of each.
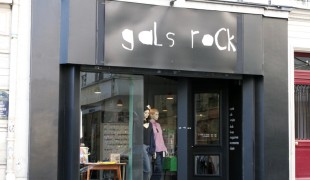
(150, 38)
(4, 105)
(147, 36)
(162, 37)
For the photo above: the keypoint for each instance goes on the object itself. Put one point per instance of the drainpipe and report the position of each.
(18, 119)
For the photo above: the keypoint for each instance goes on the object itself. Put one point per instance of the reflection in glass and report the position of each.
(207, 119)
(207, 164)
(112, 106)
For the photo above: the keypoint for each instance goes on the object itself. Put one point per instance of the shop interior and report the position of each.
(111, 121)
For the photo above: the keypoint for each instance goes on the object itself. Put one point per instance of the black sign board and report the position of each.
(159, 37)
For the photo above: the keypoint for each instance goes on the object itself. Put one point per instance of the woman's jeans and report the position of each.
(147, 167)
(158, 171)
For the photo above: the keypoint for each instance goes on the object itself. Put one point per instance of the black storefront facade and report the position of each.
(240, 57)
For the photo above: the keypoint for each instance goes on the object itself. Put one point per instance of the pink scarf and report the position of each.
(158, 136)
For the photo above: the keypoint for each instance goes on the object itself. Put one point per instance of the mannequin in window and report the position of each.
(148, 144)
(160, 147)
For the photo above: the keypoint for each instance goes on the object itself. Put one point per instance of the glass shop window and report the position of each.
(302, 111)
(112, 117)
(302, 95)
(207, 119)
(111, 108)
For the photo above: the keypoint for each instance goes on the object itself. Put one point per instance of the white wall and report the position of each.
(19, 90)
(14, 78)
(248, 6)
(299, 30)
(5, 24)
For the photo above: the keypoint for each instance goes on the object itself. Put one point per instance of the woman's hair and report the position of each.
(153, 111)
(147, 107)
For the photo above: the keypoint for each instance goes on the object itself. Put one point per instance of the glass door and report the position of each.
(208, 153)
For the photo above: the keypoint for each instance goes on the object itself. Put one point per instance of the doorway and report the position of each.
(208, 138)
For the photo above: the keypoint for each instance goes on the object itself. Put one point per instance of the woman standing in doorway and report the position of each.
(160, 148)
(148, 145)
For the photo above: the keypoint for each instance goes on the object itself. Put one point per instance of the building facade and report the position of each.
(248, 78)
(228, 61)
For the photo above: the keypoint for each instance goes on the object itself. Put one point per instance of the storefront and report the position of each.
(218, 79)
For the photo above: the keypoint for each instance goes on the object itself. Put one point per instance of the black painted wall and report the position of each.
(44, 92)
(275, 97)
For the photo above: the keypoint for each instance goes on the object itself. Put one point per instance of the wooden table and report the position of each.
(100, 166)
